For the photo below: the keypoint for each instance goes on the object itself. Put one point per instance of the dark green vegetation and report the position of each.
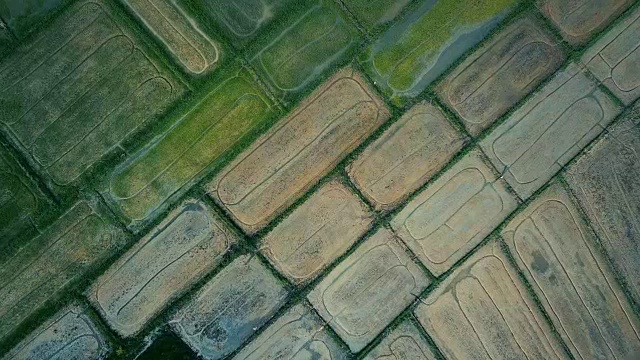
(312, 38)
(24, 16)
(23, 206)
(239, 20)
(73, 94)
(65, 251)
(231, 112)
(167, 347)
(376, 13)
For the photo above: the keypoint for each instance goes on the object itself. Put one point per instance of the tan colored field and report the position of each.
(444, 222)
(484, 310)
(316, 233)
(404, 342)
(497, 76)
(607, 189)
(286, 161)
(615, 59)
(579, 20)
(554, 248)
(546, 132)
(407, 154)
(189, 243)
(361, 296)
(193, 49)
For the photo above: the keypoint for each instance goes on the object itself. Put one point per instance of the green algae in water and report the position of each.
(418, 49)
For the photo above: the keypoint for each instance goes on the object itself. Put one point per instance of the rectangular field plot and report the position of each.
(373, 14)
(64, 252)
(419, 48)
(229, 308)
(324, 227)
(615, 59)
(241, 20)
(499, 74)
(69, 334)
(286, 161)
(73, 93)
(404, 342)
(233, 111)
(298, 334)
(188, 244)
(23, 206)
(578, 20)
(25, 16)
(194, 50)
(307, 42)
(552, 127)
(607, 184)
(554, 248)
(455, 213)
(368, 289)
(412, 150)
(483, 311)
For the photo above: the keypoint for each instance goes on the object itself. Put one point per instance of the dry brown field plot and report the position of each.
(552, 245)
(404, 342)
(188, 244)
(22, 205)
(293, 155)
(361, 296)
(499, 74)
(609, 190)
(455, 213)
(298, 334)
(483, 310)
(316, 233)
(414, 148)
(540, 137)
(69, 334)
(229, 308)
(615, 59)
(194, 50)
(578, 20)
(73, 93)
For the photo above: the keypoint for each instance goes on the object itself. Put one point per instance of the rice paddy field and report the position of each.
(319, 179)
